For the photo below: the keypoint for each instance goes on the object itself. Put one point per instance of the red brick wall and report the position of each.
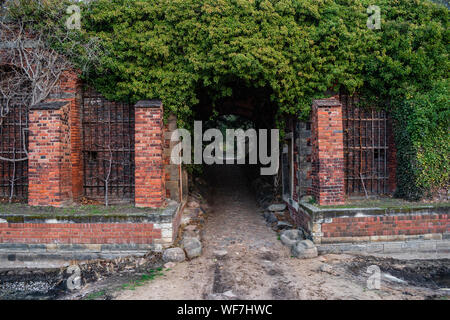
(149, 174)
(327, 152)
(49, 168)
(82, 233)
(386, 225)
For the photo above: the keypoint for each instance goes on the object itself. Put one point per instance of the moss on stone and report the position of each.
(17, 212)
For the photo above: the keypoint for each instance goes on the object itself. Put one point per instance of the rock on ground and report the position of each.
(192, 246)
(290, 237)
(174, 255)
(326, 268)
(304, 250)
(282, 225)
(270, 217)
(169, 265)
(220, 254)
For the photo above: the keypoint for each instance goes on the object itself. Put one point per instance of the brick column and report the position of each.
(49, 167)
(69, 90)
(71, 87)
(149, 173)
(327, 152)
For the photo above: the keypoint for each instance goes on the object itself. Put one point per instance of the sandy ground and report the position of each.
(258, 266)
(253, 276)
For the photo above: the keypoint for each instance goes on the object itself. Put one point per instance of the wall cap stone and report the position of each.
(399, 246)
(164, 215)
(327, 103)
(149, 104)
(322, 213)
(56, 105)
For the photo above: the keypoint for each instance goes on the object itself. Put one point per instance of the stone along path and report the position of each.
(243, 258)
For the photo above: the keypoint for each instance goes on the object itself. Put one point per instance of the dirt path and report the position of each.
(257, 265)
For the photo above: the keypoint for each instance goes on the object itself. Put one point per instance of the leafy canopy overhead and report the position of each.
(297, 49)
(169, 49)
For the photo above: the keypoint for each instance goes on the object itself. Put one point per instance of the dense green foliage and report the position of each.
(423, 142)
(297, 49)
(168, 49)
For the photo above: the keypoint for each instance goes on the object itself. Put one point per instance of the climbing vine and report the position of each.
(423, 142)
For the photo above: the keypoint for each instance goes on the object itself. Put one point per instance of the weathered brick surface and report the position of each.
(82, 233)
(327, 152)
(49, 167)
(300, 218)
(149, 174)
(71, 85)
(55, 147)
(386, 226)
(70, 91)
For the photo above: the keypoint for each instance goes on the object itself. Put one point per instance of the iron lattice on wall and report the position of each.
(13, 146)
(108, 148)
(366, 148)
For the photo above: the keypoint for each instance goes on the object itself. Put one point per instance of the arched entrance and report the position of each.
(246, 108)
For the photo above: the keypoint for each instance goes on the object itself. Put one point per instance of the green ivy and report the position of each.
(423, 142)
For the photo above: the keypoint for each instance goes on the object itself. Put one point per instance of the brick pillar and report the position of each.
(69, 90)
(327, 152)
(71, 87)
(49, 167)
(149, 173)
